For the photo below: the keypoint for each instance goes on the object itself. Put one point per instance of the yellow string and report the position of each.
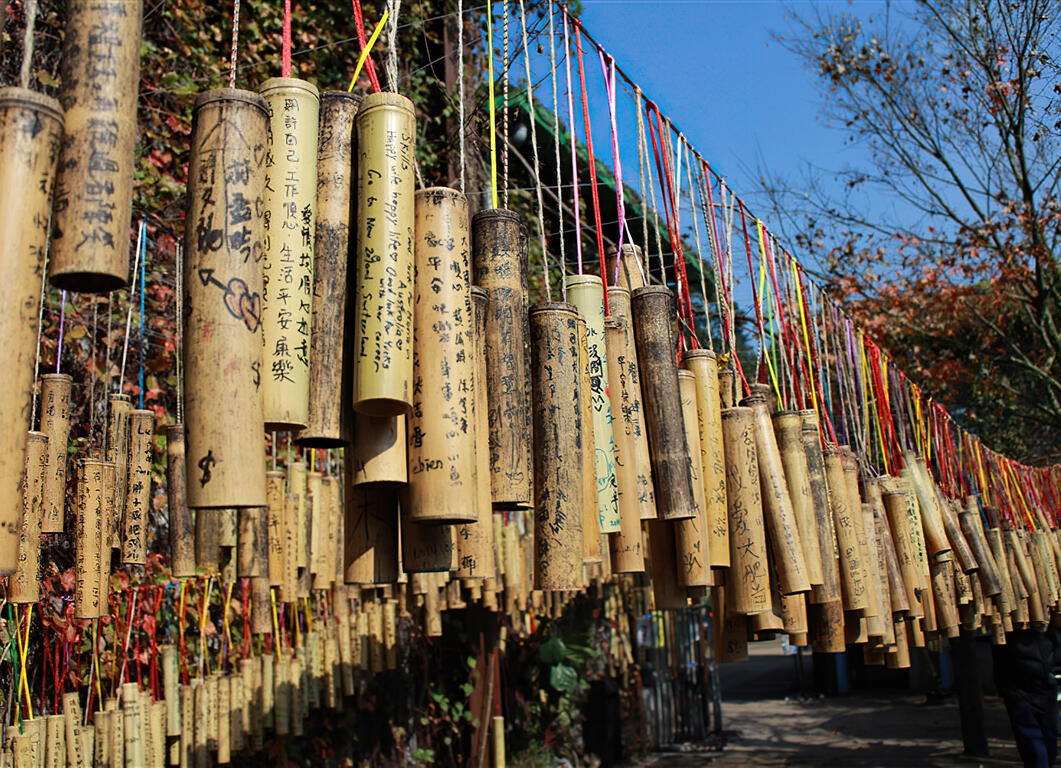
(367, 49)
(806, 338)
(490, 99)
(204, 659)
(1020, 495)
(23, 649)
(95, 659)
(762, 285)
(309, 619)
(276, 621)
(228, 633)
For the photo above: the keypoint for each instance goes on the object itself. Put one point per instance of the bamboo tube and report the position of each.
(826, 627)
(619, 303)
(586, 292)
(1041, 560)
(31, 128)
(629, 273)
(157, 715)
(425, 548)
(137, 513)
(101, 754)
(729, 633)
(901, 658)
(667, 593)
(187, 736)
(726, 377)
(905, 551)
(371, 550)
(962, 551)
(171, 689)
(625, 547)
(316, 525)
(181, 530)
(207, 550)
(87, 539)
(557, 412)
(289, 580)
(275, 490)
(829, 590)
(105, 537)
(780, 518)
(931, 513)
(878, 613)
(691, 536)
(201, 745)
(24, 584)
(118, 409)
(290, 200)
(247, 563)
(442, 469)
(72, 718)
(794, 615)
(868, 557)
(261, 618)
(788, 431)
(852, 580)
(223, 715)
(1007, 597)
(974, 534)
(748, 581)
(55, 742)
(896, 585)
(497, 729)
(591, 535)
(379, 452)
(917, 534)
(223, 373)
(134, 745)
(703, 365)
(945, 602)
(117, 733)
(227, 528)
(55, 424)
(499, 248)
(652, 307)
(265, 681)
(93, 190)
(327, 559)
(297, 485)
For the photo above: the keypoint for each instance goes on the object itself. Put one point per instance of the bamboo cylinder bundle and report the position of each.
(336, 150)
(619, 304)
(945, 600)
(586, 292)
(499, 248)
(931, 512)
(625, 547)
(55, 423)
(974, 534)
(137, 513)
(475, 541)
(442, 470)
(747, 580)
(118, 409)
(781, 523)
(24, 584)
(829, 590)
(852, 579)
(93, 191)
(87, 539)
(31, 127)
(383, 306)
(557, 412)
(225, 443)
(181, 529)
(704, 366)
(591, 535)
(652, 308)
(788, 431)
(906, 553)
(691, 536)
(371, 531)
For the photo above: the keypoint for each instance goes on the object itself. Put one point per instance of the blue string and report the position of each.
(143, 338)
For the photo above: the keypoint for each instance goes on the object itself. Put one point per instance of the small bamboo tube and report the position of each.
(962, 551)
(626, 550)
(586, 292)
(591, 535)
(619, 303)
(289, 581)
(24, 584)
(131, 730)
(557, 412)
(137, 513)
(247, 548)
(788, 431)
(87, 539)
(55, 423)
(826, 627)
(100, 77)
(442, 470)
(901, 658)
(730, 632)
(945, 600)
(336, 151)
(328, 557)
(105, 549)
(157, 721)
(379, 453)
(426, 548)
(652, 308)
(794, 615)
(227, 528)
(1007, 598)
(974, 534)
(55, 742)
(118, 409)
(691, 536)
(283, 696)
(628, 274)
(829, 590)
(499, 248)
(781, 523)
(726, 378)
(201, 744)
(667, 593)
(181, 529)
(906, 553)
(223, 715)
(188, 722)
(31, 129)
(852, 581)
(868, 558)
(704, 366)
(317, 526)
(117, 733)
(261, 617)
(748, 581)
(171, 689)
(904, 484)
(1042, 559)
(275, 481)
(878, 613)
(72, 719)
(383, 350)
(896, 585)
(101, 725)
(296, 484)
(223, 366)
(266, 683)
(371, 530)
(931, 513)
(207, 550)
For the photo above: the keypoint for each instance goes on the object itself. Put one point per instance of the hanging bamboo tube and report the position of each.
(974, 534)
(931, 513)
(181, 530)
(223, 373)
(379, 453)
(667, 593)
(55, 423)
(137, 513)
(336, 150)
(24, 584)
(275, 482)
(557, 412)
(93, 191)
(1042, 561)
(289, 583)
(383, 306)
(868, 556)
(826, 627)
(788, 430)
(704, 366)
(852, 580)
(961, 548)
(945, 602)
(207, 548)
(586, 292)
(829, 589)
(441, 450)
(87, 539)
(118, 409)
(289, 198)
(105, 536)
(591, 536)
(499, 248)
(1007, 597)
(31, 127)
(691, 536)
(371, 530)
(652, 308)
(905, 550)
(316, 525)
(627, 554)
(748, 581)
(426, 548)
(296, 485)
(250, 528)
(781, 523)
(630, 271)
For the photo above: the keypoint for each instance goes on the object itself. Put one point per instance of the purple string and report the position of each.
(62, 321)
(574, 160)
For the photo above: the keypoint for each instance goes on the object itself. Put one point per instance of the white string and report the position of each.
(394, 6)
(460, 88)
(504, 107)
(556, 145)
(179, 259)
(129, 314)
(533, 112)
(693, 184)
(27, 43)
(40, 323)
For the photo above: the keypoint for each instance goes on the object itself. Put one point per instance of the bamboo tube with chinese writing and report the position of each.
(118, 409)
(691, 536)
(852, 582)
(24, 584)
(181, 529)
(55, 423)
(591, 535)
(379, 453)
(626, 548)
(137, 514)
(747, 580)
(829, 590)
(788, 429)
(704, 366)
(87, 539)
(371, 531)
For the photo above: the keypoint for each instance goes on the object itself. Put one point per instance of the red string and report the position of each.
(359, 23)
(247, 608)
(285, 60)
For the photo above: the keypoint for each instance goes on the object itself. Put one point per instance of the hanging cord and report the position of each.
(367, 49)
(232, 57)
(27, 43)
(40, 320)
(652, 193)
(179, 351)
(532, 110)
(62, 324)
(392, 52)
(359, 25)
(607, 64)
(556, 145)
(460, 91)
(504, 104)
(129, 314)
(143, 337)
(694, 185)
(285, 55)
(576, 210)
(491, 108)
(92, 374)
